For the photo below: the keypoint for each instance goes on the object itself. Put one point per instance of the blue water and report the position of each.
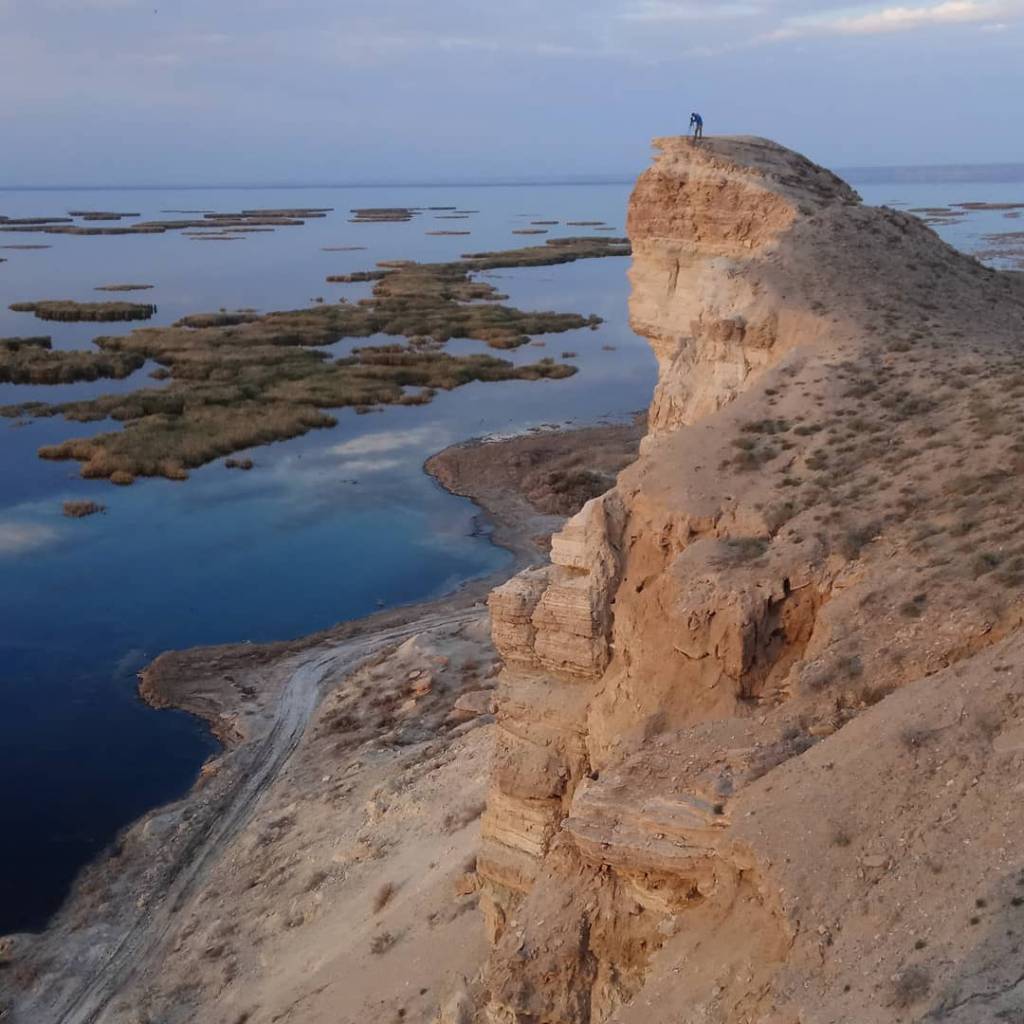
(967, 232)
(327, 527)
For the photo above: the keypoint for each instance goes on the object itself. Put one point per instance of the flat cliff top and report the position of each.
(776, 167)
(739, 234)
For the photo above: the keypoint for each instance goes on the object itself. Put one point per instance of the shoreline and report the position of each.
(258, 700)
(512, 523)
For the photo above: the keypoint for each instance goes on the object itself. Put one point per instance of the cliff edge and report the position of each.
(761, 718)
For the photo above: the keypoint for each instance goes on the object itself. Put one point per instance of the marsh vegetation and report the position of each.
(198, 220)
(238, 379)
(32, 361)
(69, 311)
(81, 509)
(382, 215)
(100, 214)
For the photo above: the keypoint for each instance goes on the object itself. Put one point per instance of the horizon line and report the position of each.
(237, 186)
(870, 170)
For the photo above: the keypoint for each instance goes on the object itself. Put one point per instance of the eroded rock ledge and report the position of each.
(766, 693)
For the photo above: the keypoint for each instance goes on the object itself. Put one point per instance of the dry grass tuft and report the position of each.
(382, 943)
(382, 897)
(458, 819)
(911, 987)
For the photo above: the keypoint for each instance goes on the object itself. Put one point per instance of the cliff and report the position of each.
(755, 750)
(761, 717)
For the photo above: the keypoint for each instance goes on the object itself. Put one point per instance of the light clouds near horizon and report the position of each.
(197, 91)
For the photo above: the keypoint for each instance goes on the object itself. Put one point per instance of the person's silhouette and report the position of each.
(697, 124)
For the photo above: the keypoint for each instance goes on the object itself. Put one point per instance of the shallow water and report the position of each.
(967, 232)
(327, 527)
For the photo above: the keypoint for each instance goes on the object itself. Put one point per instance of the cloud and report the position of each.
(670, 10)
(372, 465)
(365, 47)
(66, 6)
(392, 441)
(863, 22)
(18, 538)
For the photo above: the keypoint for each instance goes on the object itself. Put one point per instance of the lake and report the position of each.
(327, 527)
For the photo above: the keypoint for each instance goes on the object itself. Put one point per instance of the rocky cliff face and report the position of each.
(707, 234)
(751, 713)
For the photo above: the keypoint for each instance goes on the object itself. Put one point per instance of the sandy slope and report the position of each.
(758, 728)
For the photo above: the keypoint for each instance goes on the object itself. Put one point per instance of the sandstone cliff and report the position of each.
(761, 720)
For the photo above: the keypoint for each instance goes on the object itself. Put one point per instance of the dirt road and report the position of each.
(253, 767)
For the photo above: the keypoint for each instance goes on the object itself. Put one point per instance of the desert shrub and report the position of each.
(911, 986)
(914, 737)
(382, 897)
(316, 879)
(463, 816)
(382, 943)
(774, 754)
(984, 563)
(849, 666)
(777, 515)
(855, 538)
(740, 550)
(766, 426)
(914, 608)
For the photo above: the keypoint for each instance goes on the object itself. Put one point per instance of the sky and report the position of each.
(170, 92)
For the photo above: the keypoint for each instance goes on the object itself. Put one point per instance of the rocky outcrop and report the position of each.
(707, 232)
(786, 554)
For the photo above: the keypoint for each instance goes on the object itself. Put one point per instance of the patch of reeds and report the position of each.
(222, 222)
(239, 379)
(382, 215)
(33, 221)
(100, 214)
(14, 344)
(302, 211)
(81, 509)
(222, 319)
(69, 311)
(32, 361)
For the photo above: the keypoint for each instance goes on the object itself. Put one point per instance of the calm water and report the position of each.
(329, 526)
(967, 233)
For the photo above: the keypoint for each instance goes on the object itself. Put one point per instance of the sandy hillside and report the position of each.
(759, 721)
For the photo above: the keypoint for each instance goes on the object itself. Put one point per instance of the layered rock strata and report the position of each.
(824, 512)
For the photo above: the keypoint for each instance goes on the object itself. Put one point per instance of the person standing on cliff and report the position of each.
(697, 124)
